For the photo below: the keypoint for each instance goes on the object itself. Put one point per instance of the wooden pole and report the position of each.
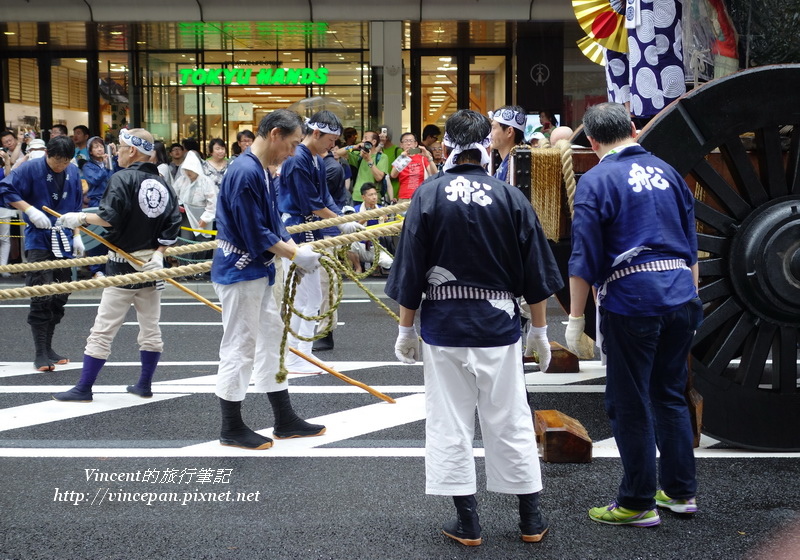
(342, 376)
(138, 262)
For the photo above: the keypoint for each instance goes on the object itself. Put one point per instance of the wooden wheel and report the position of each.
(745, 354)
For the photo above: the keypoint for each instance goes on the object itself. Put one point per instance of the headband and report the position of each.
(455, 150)
(509, 117)
(324, 128)
(144, 146)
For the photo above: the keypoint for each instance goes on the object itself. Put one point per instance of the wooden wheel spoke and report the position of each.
(715, 290)
(714, 218)
(717, 319)
(713, 267)
(713, 243)
(713, 182)
(755, 354)
(793, 165)
(732, 344)
(770, 161)
(784, 360)
(743, 172)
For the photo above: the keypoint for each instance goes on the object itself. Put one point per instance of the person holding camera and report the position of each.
(372, 165)
(412, 166)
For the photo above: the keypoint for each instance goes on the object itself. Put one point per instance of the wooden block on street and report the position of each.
(561, 438)
(561, 360)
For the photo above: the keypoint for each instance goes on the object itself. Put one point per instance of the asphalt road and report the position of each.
(129, 478)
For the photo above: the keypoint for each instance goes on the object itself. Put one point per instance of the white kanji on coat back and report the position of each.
(646, 178)
(462, 189)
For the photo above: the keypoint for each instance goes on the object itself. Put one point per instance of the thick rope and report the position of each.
(105, 282)
(87, 261)
(210, 245)
(565, 146)
(363, 215)
(47, 265)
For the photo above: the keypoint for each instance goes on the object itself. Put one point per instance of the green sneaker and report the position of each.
(613, 514)
(678, 506)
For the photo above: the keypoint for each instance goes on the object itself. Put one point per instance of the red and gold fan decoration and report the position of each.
(593, 50)
(602, 23)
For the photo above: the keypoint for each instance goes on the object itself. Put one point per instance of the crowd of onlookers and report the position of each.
(370, 163)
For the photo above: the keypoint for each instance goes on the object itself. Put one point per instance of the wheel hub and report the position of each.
(765, 261)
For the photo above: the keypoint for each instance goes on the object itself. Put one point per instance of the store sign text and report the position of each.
(249, 76)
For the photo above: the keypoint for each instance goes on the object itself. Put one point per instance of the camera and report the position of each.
(414, 151)
(4, 149)
(366, 146)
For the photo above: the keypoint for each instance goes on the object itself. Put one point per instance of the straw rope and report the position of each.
(105, 282)
(210, 245)
(565, 147)
(546, 189)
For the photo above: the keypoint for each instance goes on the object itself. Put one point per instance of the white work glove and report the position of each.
(71, 220)
(350, 227)
(406, 348)
(306, 258)
(78, 249)
(38, 218)
(156, 262)
(577, 342)
(536, 341)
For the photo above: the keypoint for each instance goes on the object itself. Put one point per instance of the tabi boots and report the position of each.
(465, 528)
(235, 433)
(82, 391)
(287, 423)
(149, 362)
(532, 523)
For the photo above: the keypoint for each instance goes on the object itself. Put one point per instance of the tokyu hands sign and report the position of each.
(252, 76)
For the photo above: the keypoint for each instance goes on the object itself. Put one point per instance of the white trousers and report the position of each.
(251, 339)
(114, 305)
(457, 380)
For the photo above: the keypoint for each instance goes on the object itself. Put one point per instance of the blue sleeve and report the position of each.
(407, 278)
(256, 225)
(586, 260)
(10, 187)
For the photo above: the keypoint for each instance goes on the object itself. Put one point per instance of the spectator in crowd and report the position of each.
(436, 152)
(36, 149)
(548, 122)
(80, 136)
(59, 130)
(217, 163)
(350, 136)
(176, 154)
(6, 216)
(197, 193)
(364, 251)
(430, 134)
(10, 144)
(97, 170)
(160, 159)
(192, 145)
(390, 150)
(244, 139)
(372, 165)
(413, 166)
(51, 181)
